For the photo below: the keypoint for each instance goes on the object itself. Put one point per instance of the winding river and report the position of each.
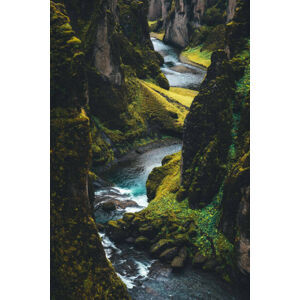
(147, 278)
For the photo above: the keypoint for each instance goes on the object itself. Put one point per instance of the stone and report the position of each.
(148, 231)
(142, 242)
(210, 265)
(169, 254)
(117, 230)
(161, 246)
(199, 259)
(177, 263)
(108, 206)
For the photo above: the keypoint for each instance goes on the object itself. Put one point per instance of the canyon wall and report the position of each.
(180, 19)
(216, 157)
(79, 268)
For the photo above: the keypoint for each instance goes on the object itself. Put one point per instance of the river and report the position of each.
(179, 74)
(146, 278)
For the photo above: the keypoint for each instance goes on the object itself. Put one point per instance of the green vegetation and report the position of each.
(175, 224)
(198, 56)
(159, 36)
(79, 268)
(169, 116)
(181, 95)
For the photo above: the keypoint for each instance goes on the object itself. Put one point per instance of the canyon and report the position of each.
(167, 84)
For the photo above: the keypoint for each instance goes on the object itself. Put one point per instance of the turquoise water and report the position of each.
(131, 175)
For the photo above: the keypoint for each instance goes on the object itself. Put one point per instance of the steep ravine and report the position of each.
(145, 276)
(172, 207)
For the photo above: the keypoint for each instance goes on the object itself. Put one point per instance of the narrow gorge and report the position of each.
(150, 149)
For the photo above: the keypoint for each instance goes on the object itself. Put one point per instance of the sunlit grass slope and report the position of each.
(181, 95)
(159, 36)
(156, 108)
(196, 56)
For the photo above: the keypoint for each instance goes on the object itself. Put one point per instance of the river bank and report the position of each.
(183, 58)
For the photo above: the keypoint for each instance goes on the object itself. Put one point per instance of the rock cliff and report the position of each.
(79, 268)
(216, 139)
(180, 19)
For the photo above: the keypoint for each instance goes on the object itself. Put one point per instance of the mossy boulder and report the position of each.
(117, 230)
(127, 217)
(199, 259)
(163, 81)
(108, 206)
(142, 242)
(161, 246)
(148, 231)
(179, 261)
(168, 254)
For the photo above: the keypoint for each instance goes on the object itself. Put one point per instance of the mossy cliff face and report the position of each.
(216, 142)
(186, 17)
(79, 268)
(207, 134)
(116, 42)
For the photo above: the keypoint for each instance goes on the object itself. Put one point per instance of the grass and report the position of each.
(199, 57)
(165, 205)
(150, 23)
(157, 109)
(181, 95)
(159, 36)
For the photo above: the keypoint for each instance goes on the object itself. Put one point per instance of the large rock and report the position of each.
(117, 230)
(142, 242)
(207, 134)
(168, 254)
(178, 261)
(199, 259)
(161, 246)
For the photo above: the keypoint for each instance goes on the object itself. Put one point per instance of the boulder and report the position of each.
(178, 261)
(161, 246)
(169, 254)
(142, 242)
(199, 259)
(210, 265)
(128, 217)
(117, 230)
(108, 206)
(148, 231)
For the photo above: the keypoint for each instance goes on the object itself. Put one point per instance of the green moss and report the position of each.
(160, 112)
(74, 40)
(79, 268)
(162, 81)
(196, 55)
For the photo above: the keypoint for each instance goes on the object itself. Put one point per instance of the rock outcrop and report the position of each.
(155, 10)
(79, 268)
(216, 157)
(231, 9)
(185, 17)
